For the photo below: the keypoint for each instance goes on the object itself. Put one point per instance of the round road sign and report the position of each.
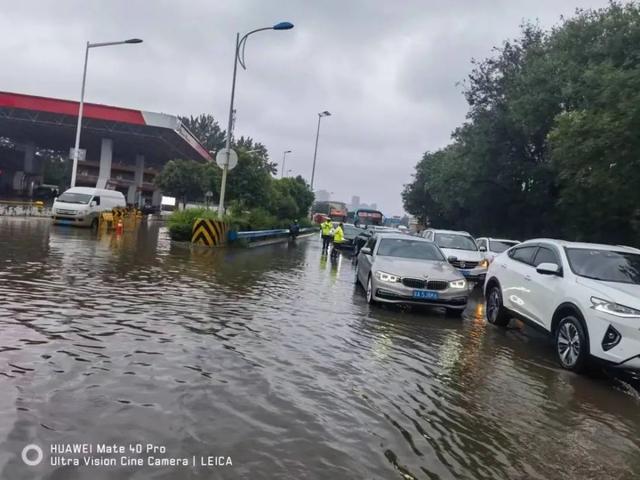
(221, 158)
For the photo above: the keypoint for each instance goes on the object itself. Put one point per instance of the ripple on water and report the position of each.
(273, 357)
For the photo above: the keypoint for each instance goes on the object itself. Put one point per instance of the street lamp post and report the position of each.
(284, 158)
(315, 152)
(76, 149)
(239, 58)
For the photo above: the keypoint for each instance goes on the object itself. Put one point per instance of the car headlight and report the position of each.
(387, 277)
(484, 263)
(462, 283)
(613, 308)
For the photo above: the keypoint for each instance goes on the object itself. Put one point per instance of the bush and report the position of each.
(256, 219)
(181, 232)
(180, 222)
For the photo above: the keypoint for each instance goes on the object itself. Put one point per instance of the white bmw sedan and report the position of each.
(587, 296)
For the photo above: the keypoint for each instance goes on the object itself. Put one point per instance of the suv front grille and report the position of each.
(463, 264)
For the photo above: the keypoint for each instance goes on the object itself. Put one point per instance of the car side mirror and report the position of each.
(366, 251)
(483, 249)
(93, 203)
(548, 268)
(452, 259)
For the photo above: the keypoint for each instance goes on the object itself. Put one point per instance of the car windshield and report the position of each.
(499, 246)
(605, 265)
(455, 241)
(68, 197)
(395, 247)
(351, 231)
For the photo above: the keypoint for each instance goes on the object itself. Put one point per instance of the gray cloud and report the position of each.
(386, 70)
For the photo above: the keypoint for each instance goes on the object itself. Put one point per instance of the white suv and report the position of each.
(586, 296)
(461, 251)
(492, 247)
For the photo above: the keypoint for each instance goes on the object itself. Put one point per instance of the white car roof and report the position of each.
(400, 236)
(454, 232)
(502, 239)
(595, 246)
(95, 191)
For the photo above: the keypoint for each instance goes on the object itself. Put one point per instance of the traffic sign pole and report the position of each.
(226, 159)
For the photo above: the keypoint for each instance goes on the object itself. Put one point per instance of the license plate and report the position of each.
(64, 222)
(426, 294)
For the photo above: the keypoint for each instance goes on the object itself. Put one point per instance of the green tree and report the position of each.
(249, 183)
(207, 130)
(259, 150)
(56, 168)
(291, 198)
(181, 179)
(550, 144)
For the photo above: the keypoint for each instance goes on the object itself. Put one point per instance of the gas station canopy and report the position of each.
(51, 123)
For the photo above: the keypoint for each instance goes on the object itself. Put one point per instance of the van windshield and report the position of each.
(69, 197)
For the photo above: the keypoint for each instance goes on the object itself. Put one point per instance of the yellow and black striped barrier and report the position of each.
(210, 233)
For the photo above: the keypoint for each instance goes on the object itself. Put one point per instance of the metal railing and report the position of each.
(24, 209)
(254, 235)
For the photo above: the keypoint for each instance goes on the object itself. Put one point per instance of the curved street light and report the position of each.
(315, 152)
(76, 149)
(239, 58)
(284, 158)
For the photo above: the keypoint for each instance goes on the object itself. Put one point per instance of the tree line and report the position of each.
(250, 185)
(551, 143)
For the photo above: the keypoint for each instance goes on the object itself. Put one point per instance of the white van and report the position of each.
(82, 205)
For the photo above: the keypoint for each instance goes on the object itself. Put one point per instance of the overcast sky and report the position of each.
(387, 70)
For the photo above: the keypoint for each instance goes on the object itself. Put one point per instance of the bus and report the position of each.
(367, 216)
(336, 211)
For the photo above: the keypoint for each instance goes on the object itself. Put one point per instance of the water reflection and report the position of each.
(273, 356)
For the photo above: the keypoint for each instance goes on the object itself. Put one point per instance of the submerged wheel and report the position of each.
(369, 292)
(94, 224)
(496, 313)
(571, 343)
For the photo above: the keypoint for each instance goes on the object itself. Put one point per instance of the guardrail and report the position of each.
(24, 209)
(255, 235)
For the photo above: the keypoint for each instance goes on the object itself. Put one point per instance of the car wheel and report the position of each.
(572, 347)
(496, 313)
(94, 224)
(369, 292)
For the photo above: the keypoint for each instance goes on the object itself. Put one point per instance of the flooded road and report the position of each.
(273, 358)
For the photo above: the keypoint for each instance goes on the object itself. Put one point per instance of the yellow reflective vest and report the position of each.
(338, 236)
(326, 228)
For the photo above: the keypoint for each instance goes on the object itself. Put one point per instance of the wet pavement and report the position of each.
(272, 357)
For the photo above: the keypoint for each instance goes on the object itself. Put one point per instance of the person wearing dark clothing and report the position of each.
(294, 229)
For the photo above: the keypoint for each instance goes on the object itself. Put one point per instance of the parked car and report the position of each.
(82, 206)
(491, 247)
(397, 268)
(462, 252)
(586, 296)
(350, 233)
(45, 192)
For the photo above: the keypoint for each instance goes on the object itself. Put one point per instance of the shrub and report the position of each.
(180, 222)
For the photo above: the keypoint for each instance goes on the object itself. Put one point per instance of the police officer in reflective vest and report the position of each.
(327, 236)
(338, 239)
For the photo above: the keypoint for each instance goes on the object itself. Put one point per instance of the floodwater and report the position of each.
(272, 357)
